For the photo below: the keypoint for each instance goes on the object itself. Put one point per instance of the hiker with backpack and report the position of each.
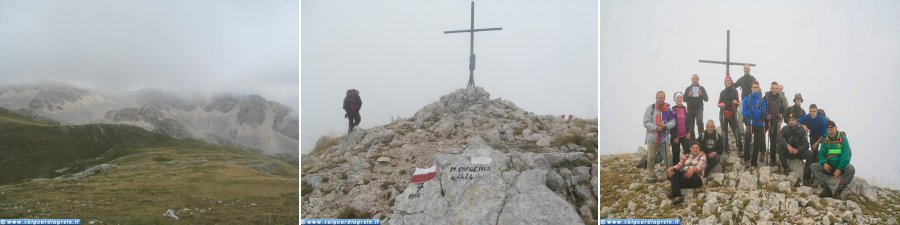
(792, 144)
(728, 102)
(775, 106)
(682, 137)
(688, 173)
(658, 120)
(814, 124)
(754, 110)
(352, 104)
(834, 160)
(710, 145)
(695, 97)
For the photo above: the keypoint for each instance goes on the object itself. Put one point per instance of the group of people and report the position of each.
(673, 143)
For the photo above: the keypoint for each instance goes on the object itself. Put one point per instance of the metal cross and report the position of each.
(728, 61)
(471, 32)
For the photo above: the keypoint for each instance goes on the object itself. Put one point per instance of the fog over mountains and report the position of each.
(246, 121)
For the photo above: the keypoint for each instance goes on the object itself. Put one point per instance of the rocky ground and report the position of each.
(740, 194)
(496, 164)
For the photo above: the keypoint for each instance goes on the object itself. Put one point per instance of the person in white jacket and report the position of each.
(658, 119)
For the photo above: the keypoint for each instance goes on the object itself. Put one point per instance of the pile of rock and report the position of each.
(495, 164)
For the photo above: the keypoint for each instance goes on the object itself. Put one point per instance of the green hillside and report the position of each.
(145, 174)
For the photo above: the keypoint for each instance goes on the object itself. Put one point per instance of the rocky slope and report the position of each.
(495, 164)
(740, 194)
(249, 122)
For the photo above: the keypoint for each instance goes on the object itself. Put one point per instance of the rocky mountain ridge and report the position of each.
(494, 163)
(249, 122)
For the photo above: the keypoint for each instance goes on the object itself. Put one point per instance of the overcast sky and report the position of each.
(396, 54)
(193, 47)
(842, 56)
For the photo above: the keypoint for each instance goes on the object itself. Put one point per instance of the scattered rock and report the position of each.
(171, 213)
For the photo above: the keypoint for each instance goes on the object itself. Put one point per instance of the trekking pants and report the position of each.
(652, 156)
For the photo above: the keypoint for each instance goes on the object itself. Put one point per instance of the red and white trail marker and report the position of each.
(422, 175)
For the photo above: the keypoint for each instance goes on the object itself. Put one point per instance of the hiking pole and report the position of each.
(858, 198)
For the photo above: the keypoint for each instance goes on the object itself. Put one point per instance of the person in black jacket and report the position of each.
(728, 102)
(352, 104)
(710, 145)
(695, 97)
(795, 109)
(792, 144)
(775, 110)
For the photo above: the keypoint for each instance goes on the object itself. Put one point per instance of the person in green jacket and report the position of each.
(834, 160)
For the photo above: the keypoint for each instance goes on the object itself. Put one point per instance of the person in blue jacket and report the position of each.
(754, 109)
(814, 124)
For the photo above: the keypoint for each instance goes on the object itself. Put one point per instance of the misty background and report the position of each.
(199, 47)
(396, 54)
(842, 56)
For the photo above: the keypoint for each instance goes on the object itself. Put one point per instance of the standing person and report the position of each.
(681, 138)
(688, 173)
(728, 102)
(795, 109)
(792, 144)
(695, 97)
(658, 120)
(352, 104)
(814, 124)
(755, 111)
(746, 83)
(710, 145)
(775, 114)
(834, 161)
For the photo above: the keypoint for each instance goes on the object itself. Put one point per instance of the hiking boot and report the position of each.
(670, 195)
(678, 200)
(837, 193)
(826, 192)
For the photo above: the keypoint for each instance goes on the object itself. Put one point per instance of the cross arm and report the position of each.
(473, 30)
(727, 63)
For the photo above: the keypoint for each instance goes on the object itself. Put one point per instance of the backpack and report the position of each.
(350, 104)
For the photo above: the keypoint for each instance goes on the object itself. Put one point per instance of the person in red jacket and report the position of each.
(352, 104)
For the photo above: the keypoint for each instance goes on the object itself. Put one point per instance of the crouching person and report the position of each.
(688, 173)
(711, 146)
(834, 160)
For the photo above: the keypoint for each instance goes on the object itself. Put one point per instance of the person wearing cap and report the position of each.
(792, 144)
(754, 109)
(695, 97)
(795, 109)
(710, 145)
(658, 120)
(815, 125)
(681, 137)
(688, 173)
(775, 112)
(728, 102)
(834, 162)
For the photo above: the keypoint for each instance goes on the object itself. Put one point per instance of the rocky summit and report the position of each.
(475, 160)
(734, 193)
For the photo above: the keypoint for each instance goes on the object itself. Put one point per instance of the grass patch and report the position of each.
(161, 159)
(306, 188)
(576, 138)
(348, 212)
(324, 143)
